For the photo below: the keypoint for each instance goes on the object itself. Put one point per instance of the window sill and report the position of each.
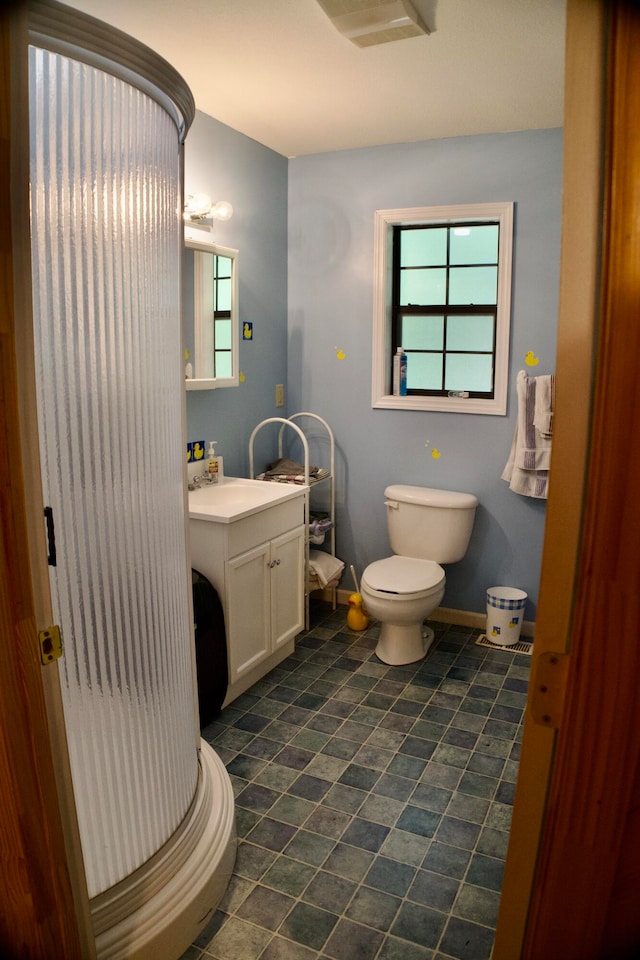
(494, 407)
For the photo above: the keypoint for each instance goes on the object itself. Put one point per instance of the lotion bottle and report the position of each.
(212, 469)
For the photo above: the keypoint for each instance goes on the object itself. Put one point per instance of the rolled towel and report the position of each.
(325, 566)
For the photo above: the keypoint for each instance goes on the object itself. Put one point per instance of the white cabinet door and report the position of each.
(265, 600)
(248, 605)
(287, 586)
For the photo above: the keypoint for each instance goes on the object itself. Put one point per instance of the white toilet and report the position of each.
(427, 527)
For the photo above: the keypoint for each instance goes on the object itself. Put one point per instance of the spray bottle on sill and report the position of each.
(400, 373)
(213, 467)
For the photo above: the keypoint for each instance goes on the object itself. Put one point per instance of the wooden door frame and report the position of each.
(44, 904)
(589, 812)
(570, 890)
(40, 907)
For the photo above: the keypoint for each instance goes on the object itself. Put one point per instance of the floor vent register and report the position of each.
(522, 646)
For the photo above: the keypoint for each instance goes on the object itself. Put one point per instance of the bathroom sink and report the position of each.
(237, 497)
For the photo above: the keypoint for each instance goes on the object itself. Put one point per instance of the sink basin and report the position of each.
(237, 497)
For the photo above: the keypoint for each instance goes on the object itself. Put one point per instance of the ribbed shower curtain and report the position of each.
(106, 245)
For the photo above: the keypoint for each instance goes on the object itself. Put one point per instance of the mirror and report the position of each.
(211, 316)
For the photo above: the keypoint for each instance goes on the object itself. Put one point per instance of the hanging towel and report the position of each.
(533, 451)
(527, 469)
(545, 401)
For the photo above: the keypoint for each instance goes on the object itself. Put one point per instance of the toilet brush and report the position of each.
(355, 579)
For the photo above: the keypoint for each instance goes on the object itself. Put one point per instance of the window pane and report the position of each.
(422, 333)
(424, 371)
(423, 286)
(223, 334)
(470, 333)
(223, 364)
(223, 288)
(468, 372)
(223, 266)
(423, 248)
(473, 284)
(474, 244)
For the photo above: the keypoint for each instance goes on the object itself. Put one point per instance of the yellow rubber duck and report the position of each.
(356, 617)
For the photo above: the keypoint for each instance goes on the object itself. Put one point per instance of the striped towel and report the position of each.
(527, 469)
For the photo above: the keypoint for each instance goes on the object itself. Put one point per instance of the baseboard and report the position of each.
(463, 618)
(467, 618)
(160, 909)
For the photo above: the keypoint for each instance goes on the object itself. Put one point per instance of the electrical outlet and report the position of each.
(279, 395)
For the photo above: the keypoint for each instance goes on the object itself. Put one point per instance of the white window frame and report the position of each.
(385, 220)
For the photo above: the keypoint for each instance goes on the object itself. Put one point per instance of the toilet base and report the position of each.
(406, 643)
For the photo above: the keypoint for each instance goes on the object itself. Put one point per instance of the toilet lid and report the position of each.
(403, 575)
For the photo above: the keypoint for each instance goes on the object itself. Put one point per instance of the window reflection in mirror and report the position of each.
(211, 316)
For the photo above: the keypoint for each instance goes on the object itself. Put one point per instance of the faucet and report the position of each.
(198, 480)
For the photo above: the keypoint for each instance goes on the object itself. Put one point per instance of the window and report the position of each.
(443, 294)
(222, 325)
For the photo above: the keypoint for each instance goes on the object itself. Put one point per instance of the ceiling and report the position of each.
(279, 71)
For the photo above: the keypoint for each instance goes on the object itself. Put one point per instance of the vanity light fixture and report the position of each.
(199, 207)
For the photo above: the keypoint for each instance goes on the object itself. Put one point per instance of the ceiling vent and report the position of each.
(368, 22)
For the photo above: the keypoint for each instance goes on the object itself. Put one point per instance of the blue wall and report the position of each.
(331, 201)
(230, 166)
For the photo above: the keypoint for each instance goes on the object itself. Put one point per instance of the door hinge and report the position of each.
(50, 644)
(549, 684)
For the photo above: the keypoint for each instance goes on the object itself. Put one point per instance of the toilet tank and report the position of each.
(429, 524)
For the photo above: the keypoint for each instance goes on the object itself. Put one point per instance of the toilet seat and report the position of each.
(403, 577)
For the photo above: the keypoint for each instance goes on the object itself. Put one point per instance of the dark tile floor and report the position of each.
(373, 803)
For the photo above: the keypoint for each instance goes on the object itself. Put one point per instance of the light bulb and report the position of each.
(222, 210)
(201, 204)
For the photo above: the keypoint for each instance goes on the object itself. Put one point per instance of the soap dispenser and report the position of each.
(212, 469)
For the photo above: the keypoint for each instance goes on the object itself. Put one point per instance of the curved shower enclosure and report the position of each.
(153, 802)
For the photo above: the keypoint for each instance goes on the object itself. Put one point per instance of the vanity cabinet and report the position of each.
(256, 564)
(265, 600)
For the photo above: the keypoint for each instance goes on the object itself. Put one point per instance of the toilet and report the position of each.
(427, 527)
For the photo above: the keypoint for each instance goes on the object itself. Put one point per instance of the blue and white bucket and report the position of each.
(505, 613)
